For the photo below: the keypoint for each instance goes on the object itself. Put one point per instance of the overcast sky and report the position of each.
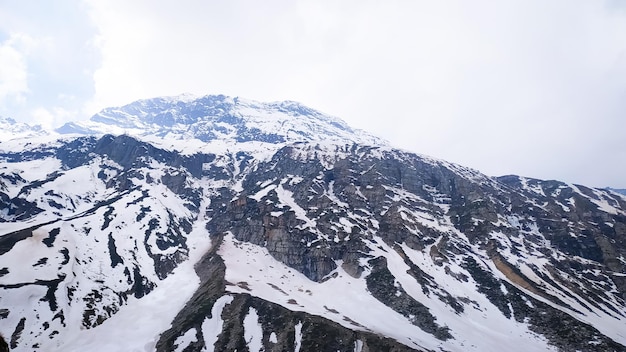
(536, 88)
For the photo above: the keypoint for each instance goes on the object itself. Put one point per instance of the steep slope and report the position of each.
(440, 250)
(189, 233)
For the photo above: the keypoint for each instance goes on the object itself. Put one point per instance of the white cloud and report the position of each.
(46, 54)
(42, 116)
(13, 69)
(528, 87)
(165, 48)
(52, 117)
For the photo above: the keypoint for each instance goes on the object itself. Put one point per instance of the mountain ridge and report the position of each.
(214, 117)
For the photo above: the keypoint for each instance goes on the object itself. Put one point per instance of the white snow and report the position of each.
(298, 337)
(602, 203)
(333, 197)
(534, 188)
(149, 316)
(262, 193)
(184, 340)
(256, 267)
(212, 327)
(358, 346)
(285, 198)
(347, 225)
(252, 331)
(496, 329)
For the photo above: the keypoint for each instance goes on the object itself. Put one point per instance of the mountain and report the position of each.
(11, 129)
(218, 223)
(620, 191)
(221, 118)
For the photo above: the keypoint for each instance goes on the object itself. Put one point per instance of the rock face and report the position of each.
(232, 229)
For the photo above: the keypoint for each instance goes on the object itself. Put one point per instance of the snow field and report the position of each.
(137, 325)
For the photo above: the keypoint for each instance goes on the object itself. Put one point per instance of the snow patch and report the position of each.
(252, 331)
(212, 327)
(298, 337)
(184, 340)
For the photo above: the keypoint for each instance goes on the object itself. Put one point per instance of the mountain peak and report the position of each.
(11, 129)
(214, 117)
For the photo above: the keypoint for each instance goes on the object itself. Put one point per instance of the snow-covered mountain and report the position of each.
(217, 223)
(11, 129)
(221, 118)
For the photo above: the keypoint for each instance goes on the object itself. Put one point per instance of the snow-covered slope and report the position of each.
(620, 191)
(223, 224)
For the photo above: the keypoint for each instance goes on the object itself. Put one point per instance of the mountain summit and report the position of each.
(11, 129)
(218, 117)
(222, 224)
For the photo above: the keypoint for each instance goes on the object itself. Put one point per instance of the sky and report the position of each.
(529, 87)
